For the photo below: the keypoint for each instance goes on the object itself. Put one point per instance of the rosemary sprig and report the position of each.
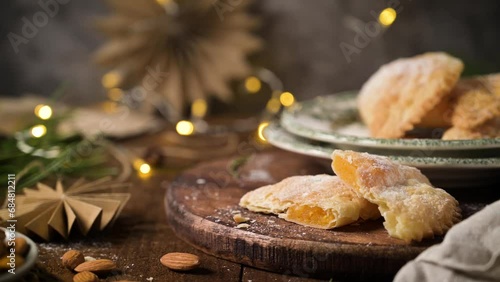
(75, 156)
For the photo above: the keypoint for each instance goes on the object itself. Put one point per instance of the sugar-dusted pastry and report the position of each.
(401, 93)
(440, 115)
(321, 201)
(490, 129)
(411, 207)
(473, 102)
(477, 101)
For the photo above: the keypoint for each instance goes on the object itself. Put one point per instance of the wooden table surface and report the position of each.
(136, 242)
(139, 238)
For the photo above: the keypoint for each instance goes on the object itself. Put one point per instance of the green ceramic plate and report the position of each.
(443, 172)
(334, 119)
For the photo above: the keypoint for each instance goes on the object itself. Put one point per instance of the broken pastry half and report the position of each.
(320, 201)
(412, 208)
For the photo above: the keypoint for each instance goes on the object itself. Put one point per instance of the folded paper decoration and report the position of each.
(46, 211)
(183, 50)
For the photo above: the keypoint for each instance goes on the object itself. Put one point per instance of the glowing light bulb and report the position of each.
(184, 127)
(145, 168)
(43, 111)
(253, 84)
(111, 80)
(199, 108)
(273, 105)
(38, 131)
(287, 99)
(260, 130)
(387, 16)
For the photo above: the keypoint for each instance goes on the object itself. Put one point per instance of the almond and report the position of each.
(98, 265)
(180, 261)
(85, 276)
(72, 259)
(21, 246)
(4, 262)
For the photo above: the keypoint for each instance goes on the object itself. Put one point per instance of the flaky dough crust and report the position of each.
(402, 92)
(321, 201)
(411, 207)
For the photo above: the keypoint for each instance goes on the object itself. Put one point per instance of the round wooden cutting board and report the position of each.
(201, 203)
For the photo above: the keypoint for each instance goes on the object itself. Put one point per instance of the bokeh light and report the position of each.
(111, 80)
(43, 111)
(184, 127)
(260, 130)
(387, 16)
(38, 131)
(109, 106)
(115, 94)
(163, 2)
(287, 99)
(199, 108)
(253, 84)
(145, 168)
(273, 105)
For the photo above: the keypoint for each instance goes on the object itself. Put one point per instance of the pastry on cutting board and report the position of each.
(321, 201)
(412, 208)
(401, 93)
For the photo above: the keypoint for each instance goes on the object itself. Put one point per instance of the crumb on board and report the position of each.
(243, 225)
(238, 218)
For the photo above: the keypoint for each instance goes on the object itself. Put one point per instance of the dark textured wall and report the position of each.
(303, 39)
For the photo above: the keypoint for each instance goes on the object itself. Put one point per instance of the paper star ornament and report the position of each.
(46, 211)
(186, 50)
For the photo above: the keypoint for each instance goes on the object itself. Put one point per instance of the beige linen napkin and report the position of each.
(470, 251)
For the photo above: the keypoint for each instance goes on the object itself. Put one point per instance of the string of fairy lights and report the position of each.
(198, 109)
(253, 85)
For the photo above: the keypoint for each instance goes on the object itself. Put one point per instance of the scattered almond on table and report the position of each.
(85, 276)
(98, 265)
(87, 269)
(72, 258)
(180, 261)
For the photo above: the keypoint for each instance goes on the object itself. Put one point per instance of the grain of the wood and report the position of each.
(257, 275)
(200, 206)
